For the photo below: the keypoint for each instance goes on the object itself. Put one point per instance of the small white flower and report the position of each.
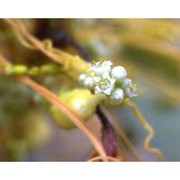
(96, 68)
(82, 77)
(105, 86)
(111, 82)
(117, 96)
(130, 90)
(99, 68)
(98, 71)
(119, 73)
(96, 79)
(126, 83)
(107, 66)
(98, 90)
(106, 75)
(89, 82)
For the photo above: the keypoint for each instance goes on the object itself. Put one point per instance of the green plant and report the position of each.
(72, 107)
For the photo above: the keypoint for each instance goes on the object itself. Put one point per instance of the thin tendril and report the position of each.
(24, 41)
(150, 130)
(20, 28)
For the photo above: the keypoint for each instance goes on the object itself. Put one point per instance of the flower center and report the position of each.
(104, 84)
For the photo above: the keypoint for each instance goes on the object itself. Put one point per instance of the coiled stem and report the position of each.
(150, 130)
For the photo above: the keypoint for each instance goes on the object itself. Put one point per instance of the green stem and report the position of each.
(33, 71)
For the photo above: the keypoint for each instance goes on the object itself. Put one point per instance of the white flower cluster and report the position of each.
(113, 82)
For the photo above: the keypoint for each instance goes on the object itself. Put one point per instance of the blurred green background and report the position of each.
(148, 48)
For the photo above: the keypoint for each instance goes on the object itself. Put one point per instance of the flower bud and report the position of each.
(81, 101)
(89, 82)
(119, 73)
(117, 96)
(82, 78)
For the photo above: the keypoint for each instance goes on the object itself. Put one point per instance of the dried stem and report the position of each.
(55, 100)
(149, 128)
(109, 136)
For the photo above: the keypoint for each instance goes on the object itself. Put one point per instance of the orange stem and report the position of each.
(62, 107)
(22, 30)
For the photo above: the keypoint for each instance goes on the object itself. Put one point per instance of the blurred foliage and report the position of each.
(22, 127)
(148, 48)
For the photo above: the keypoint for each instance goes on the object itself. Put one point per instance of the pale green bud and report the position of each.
(82, 101)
